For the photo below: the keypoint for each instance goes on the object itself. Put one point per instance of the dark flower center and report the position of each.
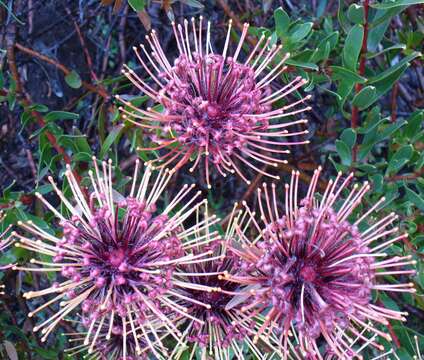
(116, 257)
(308, 273)
(212, 101)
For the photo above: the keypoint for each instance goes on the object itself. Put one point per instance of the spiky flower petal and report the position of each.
(112, 343)
(224, 332)
(315, 270)
(5, 242)
(116, 254)
(215, 105)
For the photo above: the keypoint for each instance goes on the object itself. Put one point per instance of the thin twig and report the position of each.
(235, 19)
(84, 47)
(96, 89)
(25, 98)
(394, 102)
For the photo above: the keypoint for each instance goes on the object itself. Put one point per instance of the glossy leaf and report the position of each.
(73, 80)
(352, 48)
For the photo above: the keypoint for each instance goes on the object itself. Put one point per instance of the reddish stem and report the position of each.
(26, 99)
(394, 102)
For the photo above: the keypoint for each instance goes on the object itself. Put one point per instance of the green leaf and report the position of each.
(386, 84)
(415, 123)
(372, 120)
(137, 5)
(367, 168)
(373, 54)
(394, 68)
(348, 136)
(77, 143)
(377, 181)
(355, 13)
(73, 80)
(413, 197)
(341, 16)
(61, 115)
(353, 46)
(38, 107)
(282, 22)
(399, 159)
(364, 98)
(341, 73)
(344, 152)
(379, 25)
(395, 3)
(322, 52)
(110, 140)
(325, 46)
(300, 31)
(376, 136)
(306, 65)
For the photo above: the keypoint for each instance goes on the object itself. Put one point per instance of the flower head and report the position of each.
(224, 331)
(117, 255)
(216, 105)
(315, 270)
(5, 242)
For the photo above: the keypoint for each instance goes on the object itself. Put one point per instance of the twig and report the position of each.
(84, 47)
(121, 36)
(26, 99)
(96, 89)
(394, 102)
(413, 176)
(236, 20)
(30, 16)
(31, 163)
(354, 123)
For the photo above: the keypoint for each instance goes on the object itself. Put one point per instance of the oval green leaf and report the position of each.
(364, 98)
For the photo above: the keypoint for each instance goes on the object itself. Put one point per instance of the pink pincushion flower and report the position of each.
(217, 326)
(117, 255)
(315, 270)
(216, 106)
